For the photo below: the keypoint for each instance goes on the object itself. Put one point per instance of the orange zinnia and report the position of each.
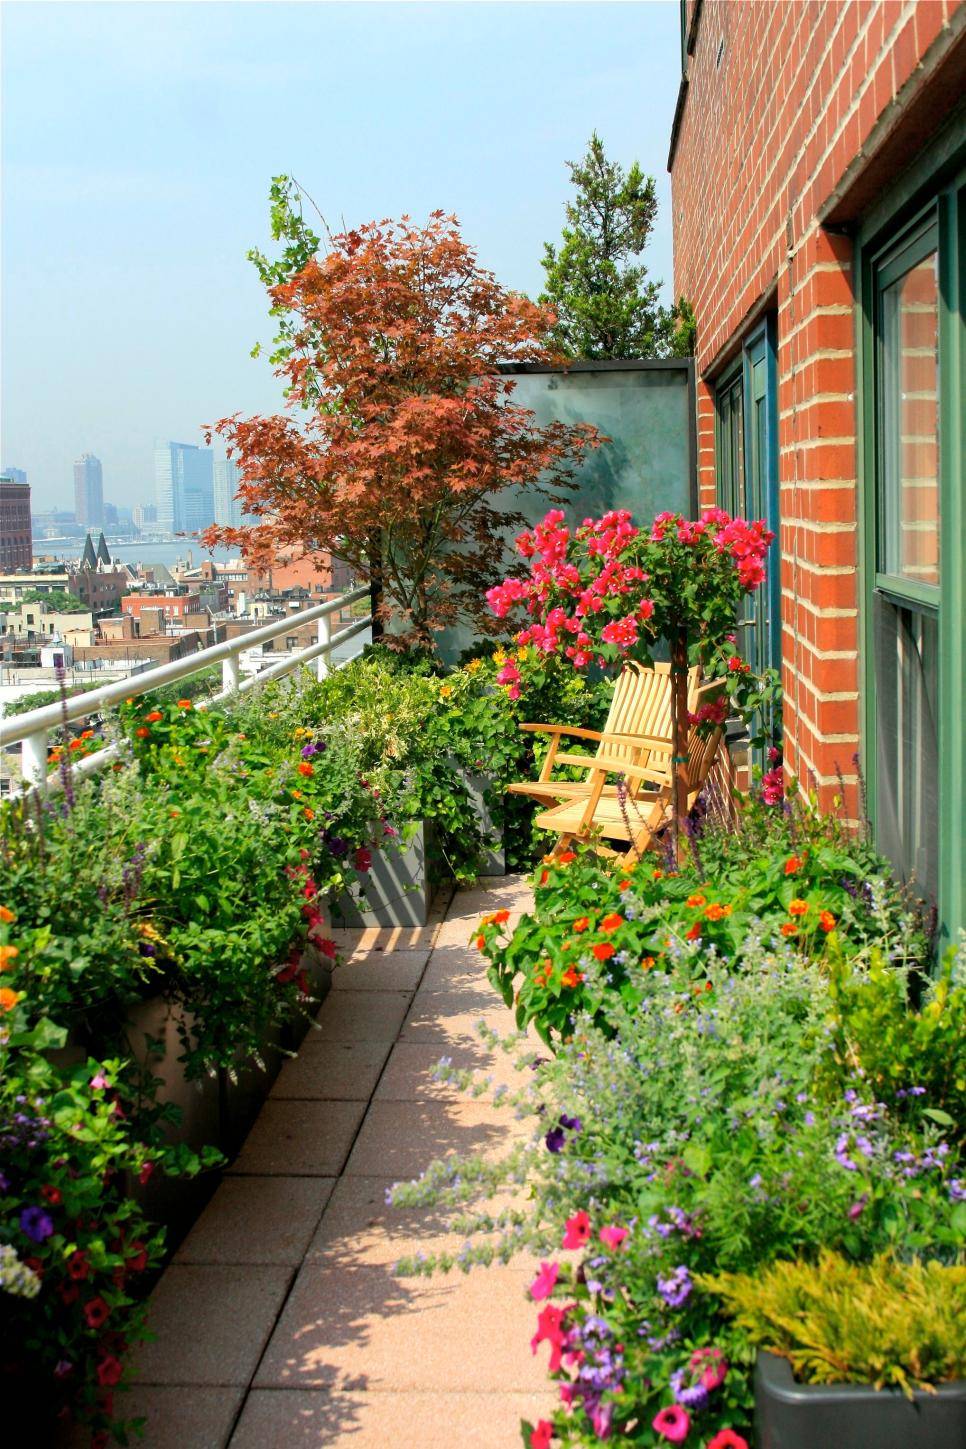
(305, 768)
(611, 922)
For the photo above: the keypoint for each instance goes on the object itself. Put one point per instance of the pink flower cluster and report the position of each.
(590, 590)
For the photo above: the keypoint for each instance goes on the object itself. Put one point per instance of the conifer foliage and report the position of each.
(605, 306)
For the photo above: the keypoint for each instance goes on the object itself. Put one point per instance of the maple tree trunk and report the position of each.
(374, 554)
(679, 730)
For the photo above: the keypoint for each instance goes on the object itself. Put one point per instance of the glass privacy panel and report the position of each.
(909, 420)
(907, 773)
(644, 466)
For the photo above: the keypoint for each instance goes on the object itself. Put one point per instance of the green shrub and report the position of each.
(887, 1323)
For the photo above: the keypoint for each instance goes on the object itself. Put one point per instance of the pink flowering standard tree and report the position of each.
(607, 591)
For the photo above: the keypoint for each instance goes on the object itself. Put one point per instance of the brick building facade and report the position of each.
(817, 163)
(16, 534)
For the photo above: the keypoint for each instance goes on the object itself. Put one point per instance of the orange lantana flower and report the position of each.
(566, 857)
(184, 704)
(694, 932)
(788, 929)
(827, 921)
(797, 907)
(8, 954)
(305, 769)
(153, 716)
(604, 950)
(571, 977)
(582, 924)
(611, 922)
(6, 915)
(8, 998)
(716, 911)
(793, 863)
(142, 732)
(697, 899)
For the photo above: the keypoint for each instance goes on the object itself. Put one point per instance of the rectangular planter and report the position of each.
(395, 892)
(790, 1415)
(494, 858)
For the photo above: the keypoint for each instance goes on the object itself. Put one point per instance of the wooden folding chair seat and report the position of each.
(633, 820)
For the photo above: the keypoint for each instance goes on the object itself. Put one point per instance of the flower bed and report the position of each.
(718, 1099)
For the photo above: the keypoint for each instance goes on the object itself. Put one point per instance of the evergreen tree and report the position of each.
(605, 306)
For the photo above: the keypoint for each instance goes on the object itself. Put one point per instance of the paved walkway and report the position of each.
(280, 1321)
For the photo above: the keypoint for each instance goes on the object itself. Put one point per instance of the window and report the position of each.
(746, 459)
(914, 637)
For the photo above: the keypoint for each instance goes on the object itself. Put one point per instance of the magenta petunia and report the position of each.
(545, 1281)
(672, 1424)
(577, 1231)
(612, 1236)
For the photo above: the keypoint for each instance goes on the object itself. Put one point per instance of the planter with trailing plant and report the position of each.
(396, 887)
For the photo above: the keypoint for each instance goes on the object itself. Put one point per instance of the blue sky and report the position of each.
(138, 145)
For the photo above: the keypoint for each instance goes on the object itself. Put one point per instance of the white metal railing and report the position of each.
(32, 729)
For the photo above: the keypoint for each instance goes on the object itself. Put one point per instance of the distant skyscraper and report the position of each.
(144, 514)
(185, 487)
(89, 492)
(16, 535)
(16, 475)
(228, 509)
(110, 515)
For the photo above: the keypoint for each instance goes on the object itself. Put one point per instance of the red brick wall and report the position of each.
(786, 102)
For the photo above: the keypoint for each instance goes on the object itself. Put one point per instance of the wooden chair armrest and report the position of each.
(557, 729)
(601, 765)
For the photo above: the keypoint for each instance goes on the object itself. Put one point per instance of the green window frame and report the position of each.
(913, 560)
(746, 468)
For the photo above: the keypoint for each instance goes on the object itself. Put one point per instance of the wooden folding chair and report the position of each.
(638, 726)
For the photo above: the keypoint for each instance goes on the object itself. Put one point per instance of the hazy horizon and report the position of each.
(139, 141)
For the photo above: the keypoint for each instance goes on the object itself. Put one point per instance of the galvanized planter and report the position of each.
(397, 890)
(790, 1415)
(494, 858)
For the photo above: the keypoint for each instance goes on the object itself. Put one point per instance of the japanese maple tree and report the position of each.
(401, 433)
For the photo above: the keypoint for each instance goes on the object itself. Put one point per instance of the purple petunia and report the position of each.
(37, 1224)
(675, 1290)
(308, 751)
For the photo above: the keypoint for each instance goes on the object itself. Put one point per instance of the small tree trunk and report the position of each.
(374, 554)
(680, 732)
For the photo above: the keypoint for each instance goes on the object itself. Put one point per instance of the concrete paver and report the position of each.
(282, 1314)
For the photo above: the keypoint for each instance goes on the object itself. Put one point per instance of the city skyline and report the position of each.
(146, 137)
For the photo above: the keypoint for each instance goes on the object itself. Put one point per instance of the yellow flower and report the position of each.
(145, 928)
(522, 654)
(473, 666)
(446, 690)
(499, 657)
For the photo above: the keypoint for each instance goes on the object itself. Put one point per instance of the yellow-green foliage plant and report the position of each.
(886, 1323)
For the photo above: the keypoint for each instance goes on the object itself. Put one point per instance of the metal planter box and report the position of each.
(790, 1415)
(494, 857)
(395, 892)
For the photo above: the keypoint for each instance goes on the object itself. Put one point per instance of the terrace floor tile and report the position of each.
(305, 1419)
(381, 971)
(338, 1070)
(369, 1016)
(258, 1220)
(300, 1139)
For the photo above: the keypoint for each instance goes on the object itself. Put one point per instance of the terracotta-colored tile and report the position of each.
(359, 1227)
(257, 1220)
(210, 1323)
(410, 1072)
(181, 1418)
(304, 1419)
(353, 1327)
(368, 1016)
(346, 1070)
(441, 1017)
(400, 1139)
(381, 971)
(300, 1139)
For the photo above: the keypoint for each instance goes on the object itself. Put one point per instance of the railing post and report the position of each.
(231, 673)
(33, 760)
(325, 637)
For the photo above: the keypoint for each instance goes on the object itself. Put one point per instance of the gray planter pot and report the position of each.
(790, 1415)
(395, 892)
(494, 858)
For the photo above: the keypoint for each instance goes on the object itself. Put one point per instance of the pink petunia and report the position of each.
(727, 1439)
(543, 1284)
(612, 1236)
(540, 1436)
(672, 1424)
(577, 1231)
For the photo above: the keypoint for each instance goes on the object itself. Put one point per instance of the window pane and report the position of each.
(907, 774)
(910, 424)
(731, 448)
